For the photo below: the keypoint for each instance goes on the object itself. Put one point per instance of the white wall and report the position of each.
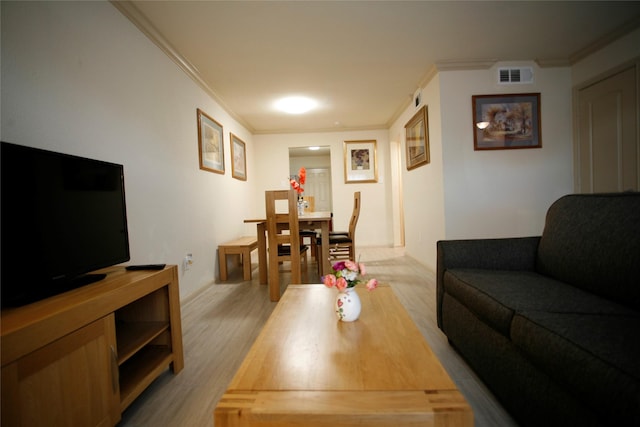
(375, 222)
(422, 188)
(502, 193)
(79, 78)
(464, 193)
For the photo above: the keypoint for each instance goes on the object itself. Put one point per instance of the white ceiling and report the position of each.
(362, 60)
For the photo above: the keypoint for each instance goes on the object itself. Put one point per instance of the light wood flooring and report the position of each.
(220, 323)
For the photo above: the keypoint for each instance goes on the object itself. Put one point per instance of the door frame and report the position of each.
(634, 63)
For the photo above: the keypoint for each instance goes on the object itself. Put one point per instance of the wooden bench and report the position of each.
(243, 247)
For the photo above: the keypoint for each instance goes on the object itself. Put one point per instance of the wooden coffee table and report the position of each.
(308, 369)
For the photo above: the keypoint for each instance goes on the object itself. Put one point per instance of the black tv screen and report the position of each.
(62, 216)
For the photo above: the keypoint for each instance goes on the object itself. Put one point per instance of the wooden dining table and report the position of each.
(308, 221)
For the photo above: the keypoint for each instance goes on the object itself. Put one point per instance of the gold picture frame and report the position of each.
(238, 158)
(360, 161)
(417, 139)
(210, 143)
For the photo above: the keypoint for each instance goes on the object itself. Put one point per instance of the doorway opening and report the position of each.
(318, 165)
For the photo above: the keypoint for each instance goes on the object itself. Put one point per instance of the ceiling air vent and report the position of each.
(515, 75)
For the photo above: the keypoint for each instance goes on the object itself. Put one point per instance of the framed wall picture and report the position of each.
(360, 162)
(417, 139)
(502, 122)
(238, 158)
(210, 143)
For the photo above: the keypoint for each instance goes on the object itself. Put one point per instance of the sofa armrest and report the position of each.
(518, 253)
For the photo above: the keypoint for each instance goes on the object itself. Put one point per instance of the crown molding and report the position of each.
(550, 63)
(137, 18)
(453, 65)
(605, 40)
(321, 130)
(428, 76)
(401, 109)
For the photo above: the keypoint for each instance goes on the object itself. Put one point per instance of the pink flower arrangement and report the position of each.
(302, 177)
(345, 275)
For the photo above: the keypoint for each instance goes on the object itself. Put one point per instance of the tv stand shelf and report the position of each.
(132, 337)
(104, 344)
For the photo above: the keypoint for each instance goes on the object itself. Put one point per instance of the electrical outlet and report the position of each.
(187, 262)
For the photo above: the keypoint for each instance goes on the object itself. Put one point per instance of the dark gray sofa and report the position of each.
(551, 324)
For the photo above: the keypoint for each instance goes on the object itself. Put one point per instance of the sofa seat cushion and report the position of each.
(495, 296)
(595, 356)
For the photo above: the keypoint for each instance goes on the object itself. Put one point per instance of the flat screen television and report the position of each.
(62, 217)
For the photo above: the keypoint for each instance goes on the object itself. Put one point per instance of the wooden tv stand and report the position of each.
(82, 357)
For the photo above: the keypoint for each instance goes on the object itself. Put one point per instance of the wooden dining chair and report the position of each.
(283, 239)
(342, 245)
(310, 235)
(310, 202)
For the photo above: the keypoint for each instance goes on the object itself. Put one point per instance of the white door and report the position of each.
(318, 185)
(607, 146)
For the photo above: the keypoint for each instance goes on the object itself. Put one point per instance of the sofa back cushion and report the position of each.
(592, 241)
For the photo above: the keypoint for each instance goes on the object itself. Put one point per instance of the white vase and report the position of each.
(348, 305)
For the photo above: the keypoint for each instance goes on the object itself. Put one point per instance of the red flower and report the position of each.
(302, 173)
(302, 177)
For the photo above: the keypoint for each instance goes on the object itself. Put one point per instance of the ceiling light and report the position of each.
(295, 104)
(482, 125)
(314, 148)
